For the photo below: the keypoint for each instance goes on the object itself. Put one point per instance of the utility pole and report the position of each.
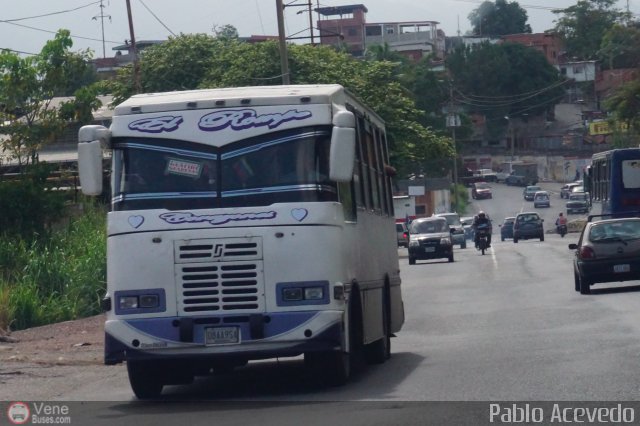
(102, 16)
(311, 22)
(452, 121)
(284, 59)
(134, 50)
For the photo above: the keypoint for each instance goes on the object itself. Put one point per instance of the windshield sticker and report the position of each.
(136, 221)
(180, 167)
(166, 123)
(176, 218)
(241, 119)
(299, 214)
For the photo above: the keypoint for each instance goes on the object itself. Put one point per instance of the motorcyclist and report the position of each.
(482, 219)
(561, 221)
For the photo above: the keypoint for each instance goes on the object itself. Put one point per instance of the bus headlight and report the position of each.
(140, 301)
(313, 293)
(291, 294)
(302, 293)
(128, 302)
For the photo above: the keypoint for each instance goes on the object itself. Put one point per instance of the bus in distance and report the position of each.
(613, 182)
(245, 223)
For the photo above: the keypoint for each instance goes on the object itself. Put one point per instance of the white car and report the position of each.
(541, 199)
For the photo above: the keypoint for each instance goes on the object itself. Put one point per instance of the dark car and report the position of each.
(506, 228)
(530, 192)
(403, 235)
(481, 191)
(430, 238)
(515, 180)
(528, 225)
(607, 251)
(578, 203)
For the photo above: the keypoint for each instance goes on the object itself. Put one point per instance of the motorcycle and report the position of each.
(562, 230)
(482, 234)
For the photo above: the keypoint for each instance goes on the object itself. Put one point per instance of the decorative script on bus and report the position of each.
(166, 123)
(214, 219)
(240, 119)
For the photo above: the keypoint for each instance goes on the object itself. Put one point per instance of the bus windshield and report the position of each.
(291, 166)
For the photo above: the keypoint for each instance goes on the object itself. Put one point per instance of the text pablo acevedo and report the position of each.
(560, 413)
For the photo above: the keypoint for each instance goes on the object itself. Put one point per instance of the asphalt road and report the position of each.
(504, 326)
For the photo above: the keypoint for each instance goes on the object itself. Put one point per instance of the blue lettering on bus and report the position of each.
(166, 123)
(241, 119)
(214, 219)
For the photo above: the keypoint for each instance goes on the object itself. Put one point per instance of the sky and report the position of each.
(26, 25)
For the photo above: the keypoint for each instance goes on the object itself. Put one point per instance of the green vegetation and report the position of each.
(54, 276)
(459, 199)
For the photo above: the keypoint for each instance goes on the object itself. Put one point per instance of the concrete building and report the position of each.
(347, 27)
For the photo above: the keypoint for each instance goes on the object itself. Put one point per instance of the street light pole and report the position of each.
(284, 59)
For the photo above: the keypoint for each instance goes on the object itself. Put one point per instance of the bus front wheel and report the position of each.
(145, 379)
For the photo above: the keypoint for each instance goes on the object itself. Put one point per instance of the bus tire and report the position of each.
(379, 351)
(145, 379)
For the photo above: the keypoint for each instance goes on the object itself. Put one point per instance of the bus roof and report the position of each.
(626, 152)
(241, 97)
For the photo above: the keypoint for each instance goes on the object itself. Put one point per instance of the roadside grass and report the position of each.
(54, 277)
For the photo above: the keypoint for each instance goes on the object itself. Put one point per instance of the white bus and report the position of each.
(245, 223)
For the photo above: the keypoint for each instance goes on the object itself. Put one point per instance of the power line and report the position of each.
(157, 19)
(55, 32)
(50, 14)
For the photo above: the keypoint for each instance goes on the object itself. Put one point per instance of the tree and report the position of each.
(624, 105)
(499, 18)
(620, 47)
(504, 80)
(201, 61)
(583, 26)
(27, 87)
(225, 32)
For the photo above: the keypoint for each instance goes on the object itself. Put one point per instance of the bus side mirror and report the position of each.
(90, 141)
(343, 147)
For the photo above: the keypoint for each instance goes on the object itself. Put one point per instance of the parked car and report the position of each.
(530, 191)
(430, 238)
(566, 189)
(541, 199)
(467, 225)
(506, 228)
(481, 190)
(457, 230)
(515, 180)
(403, 235)
(578, 203)
(528, 225)
(607, 250)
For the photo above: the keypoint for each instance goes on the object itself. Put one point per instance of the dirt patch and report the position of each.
(65, 343)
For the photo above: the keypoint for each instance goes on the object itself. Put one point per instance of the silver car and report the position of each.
(456, 227)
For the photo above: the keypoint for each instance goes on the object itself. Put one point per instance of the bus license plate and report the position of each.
(429, 249)
(621, 268)
(221, 335)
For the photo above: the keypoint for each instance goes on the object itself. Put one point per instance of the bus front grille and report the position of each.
(211, 280)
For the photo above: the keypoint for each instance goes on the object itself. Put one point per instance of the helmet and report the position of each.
(481, 214)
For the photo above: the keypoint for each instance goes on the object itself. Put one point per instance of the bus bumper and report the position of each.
(262, 336)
